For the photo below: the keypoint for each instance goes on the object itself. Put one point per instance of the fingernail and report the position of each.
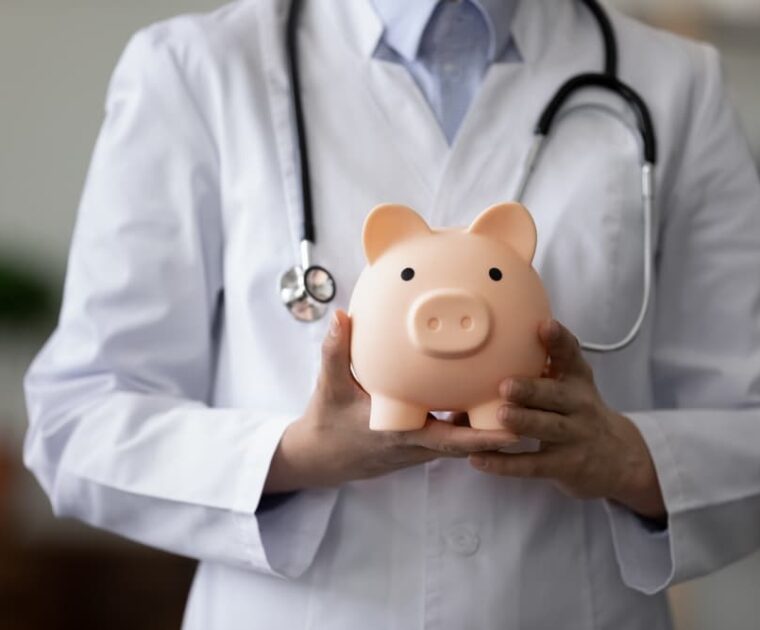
(334, 325)
(512, 390)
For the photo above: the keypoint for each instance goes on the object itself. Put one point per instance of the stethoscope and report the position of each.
(307, 289)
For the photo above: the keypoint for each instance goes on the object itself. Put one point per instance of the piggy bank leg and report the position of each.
(387, 414)
(485, 416)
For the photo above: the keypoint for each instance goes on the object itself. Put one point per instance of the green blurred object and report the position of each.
(26, 299)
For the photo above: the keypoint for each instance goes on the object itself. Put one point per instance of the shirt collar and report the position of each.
(405, 21)
(498, 15)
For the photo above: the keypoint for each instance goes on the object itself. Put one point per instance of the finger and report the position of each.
(335, 380)
(409, 456)
(564, 350)
(548, 394)
(547, 465)
(449, 439)
(542, 425)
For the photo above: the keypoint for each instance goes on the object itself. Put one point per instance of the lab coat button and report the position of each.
(462, 540)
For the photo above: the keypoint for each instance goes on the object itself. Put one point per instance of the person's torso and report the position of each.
(440, 545)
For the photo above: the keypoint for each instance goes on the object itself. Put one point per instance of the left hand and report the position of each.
(588, 449)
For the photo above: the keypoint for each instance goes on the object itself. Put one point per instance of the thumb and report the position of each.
(335, 380)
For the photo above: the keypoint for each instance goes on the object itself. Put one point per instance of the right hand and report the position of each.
(332, 442)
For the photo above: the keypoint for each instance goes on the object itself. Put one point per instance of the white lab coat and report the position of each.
(157, 404)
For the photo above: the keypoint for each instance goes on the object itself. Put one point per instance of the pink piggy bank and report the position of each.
(441, 316)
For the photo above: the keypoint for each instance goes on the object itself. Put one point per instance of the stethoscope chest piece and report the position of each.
(307, 294)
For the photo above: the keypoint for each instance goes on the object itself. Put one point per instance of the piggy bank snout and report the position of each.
(449, 323)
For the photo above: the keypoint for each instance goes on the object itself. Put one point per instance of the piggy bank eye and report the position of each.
(407, 274)
(495, 274)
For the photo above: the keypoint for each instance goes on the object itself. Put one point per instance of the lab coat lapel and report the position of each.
(400, 104)
(488, 141)
(411, 123)
(359, 157)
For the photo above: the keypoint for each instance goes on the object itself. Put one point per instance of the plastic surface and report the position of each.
(441, 316)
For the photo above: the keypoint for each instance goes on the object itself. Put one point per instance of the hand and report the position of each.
(332, 443)
(588, 449)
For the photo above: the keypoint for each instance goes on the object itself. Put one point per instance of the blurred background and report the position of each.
(55, 61)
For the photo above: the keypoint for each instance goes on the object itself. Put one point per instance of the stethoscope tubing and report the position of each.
(611, 84)
(308, 230)
(607, 80)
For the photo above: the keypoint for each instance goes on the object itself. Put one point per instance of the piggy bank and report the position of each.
(441, 316)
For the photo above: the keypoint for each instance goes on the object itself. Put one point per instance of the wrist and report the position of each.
(645, 499)
(639, 489)
(288, 470)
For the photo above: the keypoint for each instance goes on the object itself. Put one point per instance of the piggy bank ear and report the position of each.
(388, 224)
(510, 223)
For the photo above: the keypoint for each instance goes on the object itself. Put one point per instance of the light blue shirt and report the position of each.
(447, 46)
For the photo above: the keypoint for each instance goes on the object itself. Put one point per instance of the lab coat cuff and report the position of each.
(283, 539)
(696, 517)
(646, 555)
(643, 554)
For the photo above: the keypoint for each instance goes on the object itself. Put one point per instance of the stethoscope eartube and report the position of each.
(306, 289)
(611, 84)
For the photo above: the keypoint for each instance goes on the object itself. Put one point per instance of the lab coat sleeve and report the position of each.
(704, 434)
(121, 434)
